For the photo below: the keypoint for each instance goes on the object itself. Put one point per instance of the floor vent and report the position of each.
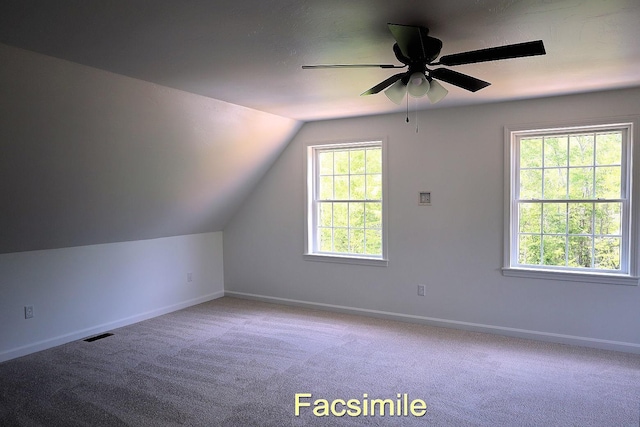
(97, 337)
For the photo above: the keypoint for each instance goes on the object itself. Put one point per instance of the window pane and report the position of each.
(346, 178)
(326, 163)
(531, 153)
(357, 187)
(609, 148)
(341, 187)
(374, 187)
(341, 162)
(357, 161)
(572, 199)
(341, 240)
(553, 250)
(608, 219)
(581, 150)
(326, 187)
(607, 253)
(580, 183)
(326, 214)
(340, 214)
(373, 215)
(554, 218)
(579, 251)
(530, 215)
(531, 184)
(373, 242)
(555, 151)
(356, 215)
(555, 183)
(529, 250)
(325, 240)
(608, 181)
(580, 218)
(356, 240)
(374, 160)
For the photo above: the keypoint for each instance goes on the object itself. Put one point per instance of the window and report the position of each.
(569, 205)
(345, 205)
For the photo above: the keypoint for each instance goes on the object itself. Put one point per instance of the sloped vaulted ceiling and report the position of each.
(90, 157)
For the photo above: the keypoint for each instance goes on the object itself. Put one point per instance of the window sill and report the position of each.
(340, 259)
(572, 276)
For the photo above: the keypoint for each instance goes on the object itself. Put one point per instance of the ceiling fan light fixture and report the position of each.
(418, 85)
(436, 92)
(396, 92)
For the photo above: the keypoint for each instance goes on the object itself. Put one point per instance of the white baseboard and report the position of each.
(431, 321)
(76, 335)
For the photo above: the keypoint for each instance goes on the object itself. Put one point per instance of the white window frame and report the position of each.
(310, 211)
(628, 274)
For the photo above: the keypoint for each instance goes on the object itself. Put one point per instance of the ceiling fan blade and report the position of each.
(414, 42)
(458, 79)
(383, 85)
(409, 39)
(313, 67)
(495, 53)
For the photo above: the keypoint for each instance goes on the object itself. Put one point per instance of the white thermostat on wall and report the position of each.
(425, 198)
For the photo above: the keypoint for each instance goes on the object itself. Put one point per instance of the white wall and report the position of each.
(453, 246)
(81, 291)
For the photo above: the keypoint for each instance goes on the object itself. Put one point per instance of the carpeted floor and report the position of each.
(233, 362)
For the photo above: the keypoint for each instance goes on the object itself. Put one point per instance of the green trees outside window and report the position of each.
(570, 200)
(349, 200)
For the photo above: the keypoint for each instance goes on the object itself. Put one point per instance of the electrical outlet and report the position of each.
(189, 277)
(421, 290)
(28, 311)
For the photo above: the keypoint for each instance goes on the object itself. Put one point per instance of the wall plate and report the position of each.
(424, 198)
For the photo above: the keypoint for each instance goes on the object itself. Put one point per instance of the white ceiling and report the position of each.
(250, 52)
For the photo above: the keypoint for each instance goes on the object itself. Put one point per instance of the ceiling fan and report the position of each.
(418, 51)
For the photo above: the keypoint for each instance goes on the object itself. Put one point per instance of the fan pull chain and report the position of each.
(407, 108)
(407, 119)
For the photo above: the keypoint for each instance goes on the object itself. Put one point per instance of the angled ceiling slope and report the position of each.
(93, 157)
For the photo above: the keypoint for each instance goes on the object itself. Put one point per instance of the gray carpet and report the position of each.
(233, 362)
